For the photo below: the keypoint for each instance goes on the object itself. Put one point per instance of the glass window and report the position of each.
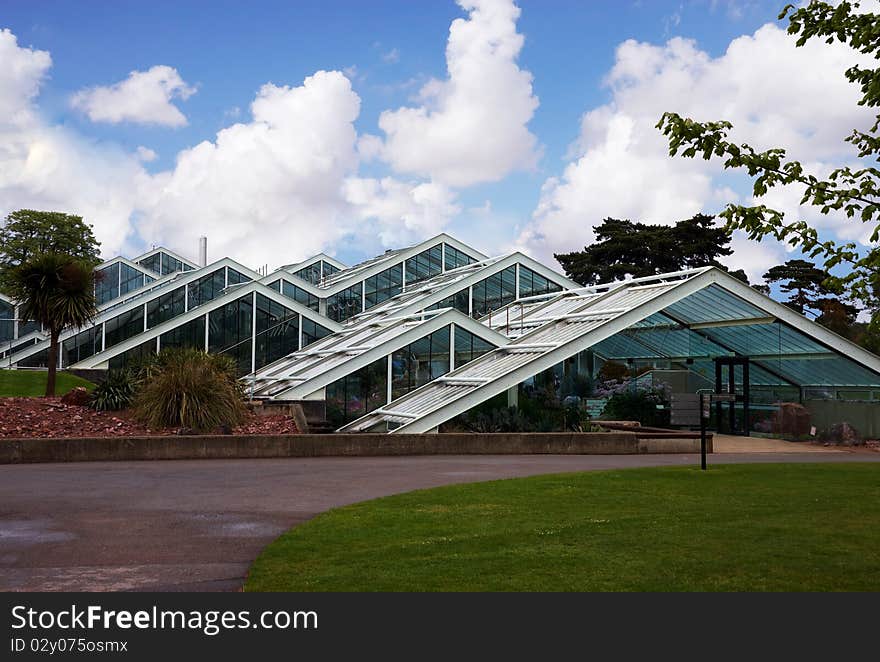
(132, 356)
(532, 284)
(165, 307)
(424, 265)
(345, 304)
(7, 321)
(229, 331)
(235, 277)
(191, 334)
(25, 328)
(38, 360)
(124, 326)
(81, 346)
(328, 269)
(383, 285)
(153, 263)
(130, 278)
(469, 347)
(107, 283)
(419, 362)
(311, 331)
(311, 273)
(494, 292)
(171, 264)
(459, 301)
(299, 294)
(206, 288)
(277, 331)
(359, 393)
(456, 258)
(275, 285)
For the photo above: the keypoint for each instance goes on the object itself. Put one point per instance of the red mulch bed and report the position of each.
(49, 418)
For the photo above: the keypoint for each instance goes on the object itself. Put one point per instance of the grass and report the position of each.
(30, 383)
(783, 527)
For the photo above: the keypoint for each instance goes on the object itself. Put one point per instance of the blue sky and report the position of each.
(388, 49)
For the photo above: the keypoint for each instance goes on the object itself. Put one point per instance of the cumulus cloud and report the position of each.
(145, 97)
(470, 127)
(620, 165)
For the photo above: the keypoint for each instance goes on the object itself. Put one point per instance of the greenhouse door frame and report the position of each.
(730, 362)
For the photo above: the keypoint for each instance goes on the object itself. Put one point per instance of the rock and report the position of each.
(76, 396)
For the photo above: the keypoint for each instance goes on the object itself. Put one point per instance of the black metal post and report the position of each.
(703, 422)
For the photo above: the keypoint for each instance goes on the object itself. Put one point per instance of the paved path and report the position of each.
(197, 525)
(726, 443)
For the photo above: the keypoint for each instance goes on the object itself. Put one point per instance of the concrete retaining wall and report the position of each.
(305, 445)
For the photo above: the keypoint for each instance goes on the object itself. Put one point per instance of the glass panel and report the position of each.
(277, 331)
(171, 264)
(206, 288)
(131, 278)
(424, 265)
(345, 304)
(165, 307)
(419, 362)
(494, 292)
(456, 258)
(275, 285)
(299, 294)
(7, 320)
(459, 301)
(132, 356)
(107, 283)
(359, 393)
(532, 284)
(191, 334)
(383, 285)
(469, 347)
(152, 263)
(81, 346)
(230, 331)
(312, 331)
(311, 273)
(124, 326)
(235, 277)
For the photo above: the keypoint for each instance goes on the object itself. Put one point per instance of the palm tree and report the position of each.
(58, 292)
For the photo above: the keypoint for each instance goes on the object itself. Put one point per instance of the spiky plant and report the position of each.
(191, 389)
(58, 292)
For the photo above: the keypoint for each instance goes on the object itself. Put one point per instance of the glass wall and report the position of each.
(81, 346)
(234, 277)
(358, 393)
(172, 264)
(166, 306)
(455, 258)
(419, 362)
(132, 356)
(307, 299)
(153, 263)
(129, 278)
(424, 265)
(230, 331)
(206, 288)
(107, 283)
(383, 285)
(124, 326)
(494, 292)
(345, 304)
(7, 321)
(469, 347)
(277, 331)
(311, 331)
(191, 334)
(315, 272)
(531, 283)
(459, 301)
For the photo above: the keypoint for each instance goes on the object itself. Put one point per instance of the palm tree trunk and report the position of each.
(53, 363)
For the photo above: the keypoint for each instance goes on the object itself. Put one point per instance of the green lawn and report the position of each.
(19, 383)
(784, 527)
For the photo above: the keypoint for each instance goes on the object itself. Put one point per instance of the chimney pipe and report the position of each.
(203, 251)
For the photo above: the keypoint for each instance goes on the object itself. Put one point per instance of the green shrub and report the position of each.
(117, 392)
(191, 389)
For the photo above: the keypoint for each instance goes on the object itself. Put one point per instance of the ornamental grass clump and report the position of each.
(189, 388)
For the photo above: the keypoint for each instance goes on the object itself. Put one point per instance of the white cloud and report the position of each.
(145, 97)
(471, 127)
(775, 95)
(146, 154)
(391, 57)
(22, 71)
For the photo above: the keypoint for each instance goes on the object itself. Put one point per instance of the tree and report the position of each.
(839, 316)
(56, 290)
(27, 233)
(854, 191)
(803, 280)
(626, 248)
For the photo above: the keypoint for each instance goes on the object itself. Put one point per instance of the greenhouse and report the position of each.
(430, 337)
